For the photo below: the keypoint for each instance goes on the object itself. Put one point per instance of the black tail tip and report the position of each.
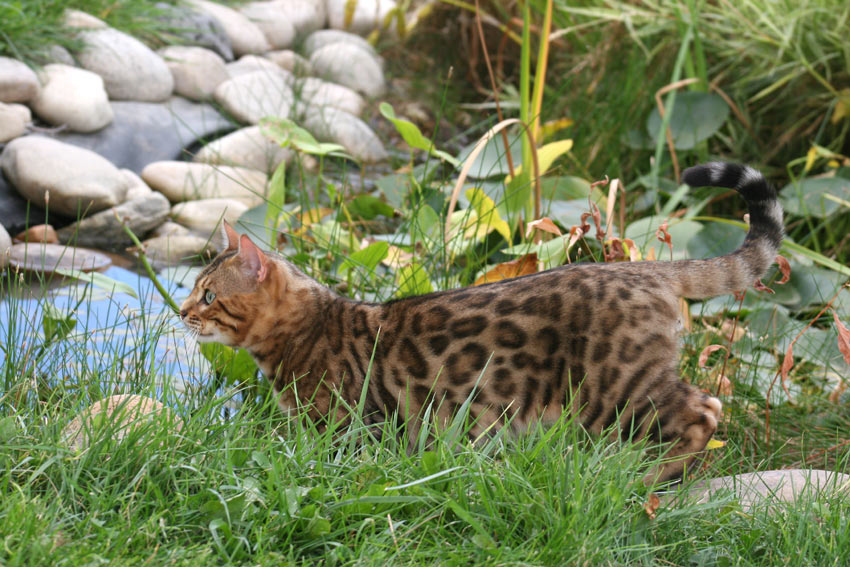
(714, 174)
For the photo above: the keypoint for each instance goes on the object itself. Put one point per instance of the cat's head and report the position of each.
(230, 292)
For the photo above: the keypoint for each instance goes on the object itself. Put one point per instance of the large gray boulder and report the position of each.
(104, 230)
(72, 97)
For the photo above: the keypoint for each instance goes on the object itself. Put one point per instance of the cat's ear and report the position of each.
(255, 264)
(228, 238)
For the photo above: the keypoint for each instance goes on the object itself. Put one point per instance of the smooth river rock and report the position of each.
(272, 21)
(72, 97)
(104, 230)
(246, 147)
(14, 119)
(183, 181)
(368, 15)
(130, 69)
(250, 63)
(5, 247)
(323, 38)
(47, 258)
(175, 249)
(79, 181)
(204, 216)
(18, 83)
(145, 132)
(245, 37)
(253, 96)
(193, 27)
(197, 71)
(290, 61)
(311, 92)
(334, 125)
(350, 65)
(306, 16)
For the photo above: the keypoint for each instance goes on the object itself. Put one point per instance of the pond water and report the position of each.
(114, 340)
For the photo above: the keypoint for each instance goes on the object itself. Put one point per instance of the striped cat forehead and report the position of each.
(216, 263)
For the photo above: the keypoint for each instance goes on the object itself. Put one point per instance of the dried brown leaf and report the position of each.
(787, 364)
(651, 505)
(843, 338)
(784, 268)
(545, 224)
(597, 221)
(664, 236)
(724, 385)
(706, 352)
(759, 286)
(522, 266)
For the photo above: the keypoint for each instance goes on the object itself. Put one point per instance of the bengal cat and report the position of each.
(595, 339)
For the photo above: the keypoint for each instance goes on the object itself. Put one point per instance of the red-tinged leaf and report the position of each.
(739, 295)
(759, 286)
(724, 385)
(843, 338)
(575, 233)
(522, 266)
(706, 352)
(600, 183)
(584, 226)
(597, 220)
(651, 505)
(614, 252)
(787, 364)
(545, 224)
(664, 236)
(784, 268)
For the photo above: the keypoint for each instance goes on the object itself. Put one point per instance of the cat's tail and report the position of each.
(699, 279)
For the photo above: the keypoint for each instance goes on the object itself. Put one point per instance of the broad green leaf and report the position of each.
(100, 280)
(367, 207)
(492, 161)
(568, 187)
(367, 258)
(56, 324)
(643, 231)
(8, 429)
(413, 136)
(696, 117)
(810, 196)
(237, 366)
(276, 200)
(714, 239)
(395, 188)
(413, 280)
(488, 216)
(285, 132)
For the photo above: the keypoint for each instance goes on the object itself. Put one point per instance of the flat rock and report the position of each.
(104, 231)
(246, 147)
(79, 180)
(14, 119)
(170, 228)
(18, 83)
(144, 132)
(130, 69)
(290, 61)
(323, 38)
(72, 97)
(80, 20)
(116, 416)
(245, 37)
(306, 16)
(5, 247)
(250, 63)
(272, 21)
(312, 92)
(350, 65)
(47, 258)
(253, 96)
(334, 125)
(204, 216)
(368, 15)
(167, 250)
(754, 489)
(193, 27)
(197, 71)
(38, 233)
(136, 187)
(183, 181)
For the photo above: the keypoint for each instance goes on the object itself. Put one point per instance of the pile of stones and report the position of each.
(105, 133)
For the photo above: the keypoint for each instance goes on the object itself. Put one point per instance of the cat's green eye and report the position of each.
(209, 297)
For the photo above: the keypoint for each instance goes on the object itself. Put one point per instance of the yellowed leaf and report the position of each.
(546, 156)
(312, 216)
(553, 126)
(522, 266)
(714, 444)
(842, 106)
(811, 156)
(488, 216)
(397, 257)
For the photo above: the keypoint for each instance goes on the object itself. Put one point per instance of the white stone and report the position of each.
(246, 147)
(368, 15)
(204, 216)
(5, 247)
(290, 61)
(250, 64)
(58, 54)
(313, 92)
(197, 71)
(184, 181)
(18, 83)
(322, 38)
(14, 119)
(334, 125)
(82, 20)
(306, 16)
(177, 248)
(136, 187)
(350, 65)
(130, 70)
(170, 228)
(253, 96)
(273, 21)
(244, 35)
(79, 180)
(72, 97)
